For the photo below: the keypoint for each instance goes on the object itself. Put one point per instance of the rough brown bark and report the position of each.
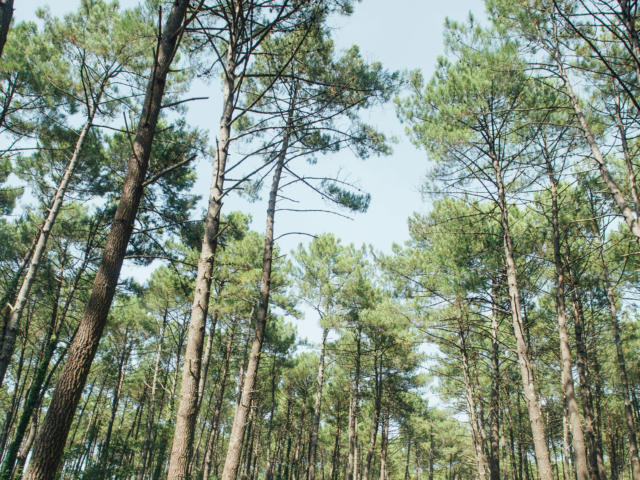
(545, 471)
(40, 381)
(49, 444)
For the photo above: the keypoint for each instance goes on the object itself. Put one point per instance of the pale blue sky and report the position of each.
(402, 34)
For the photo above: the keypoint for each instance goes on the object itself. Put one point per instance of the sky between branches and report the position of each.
(390, 32)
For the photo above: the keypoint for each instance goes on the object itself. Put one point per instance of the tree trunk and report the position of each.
(354, 401)
(582, 364)
(384, 443)
(626, 212)
(470, 397)
(633, 185)
(406, 466)
(376, 418)
(152, 399)
(13, 324)
(39, 383)
(316, 409)
(622, 366)
(181, 450)
(124, 356)
(210, 447)
(494, 408)
(49, 444)
(19, 387)
(206, 359)
(6, 14)
(526, 370)
(26, 446)
(240, 418)
(270, 458)
(581, 466)
(333, 474)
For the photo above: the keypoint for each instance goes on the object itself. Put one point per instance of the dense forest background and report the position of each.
(499, 341)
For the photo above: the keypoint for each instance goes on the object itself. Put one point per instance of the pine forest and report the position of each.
(195, 203)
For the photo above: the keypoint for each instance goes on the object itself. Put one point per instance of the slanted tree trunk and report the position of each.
(6, 14)
(39, 383)
(18, 391)
(581, 466)
(49, 444)
(232, 460)
(623, 207)
(317, 407)
(13, 324)
(26, 446)
(628, 162)
(526, 369)
(10, 290)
